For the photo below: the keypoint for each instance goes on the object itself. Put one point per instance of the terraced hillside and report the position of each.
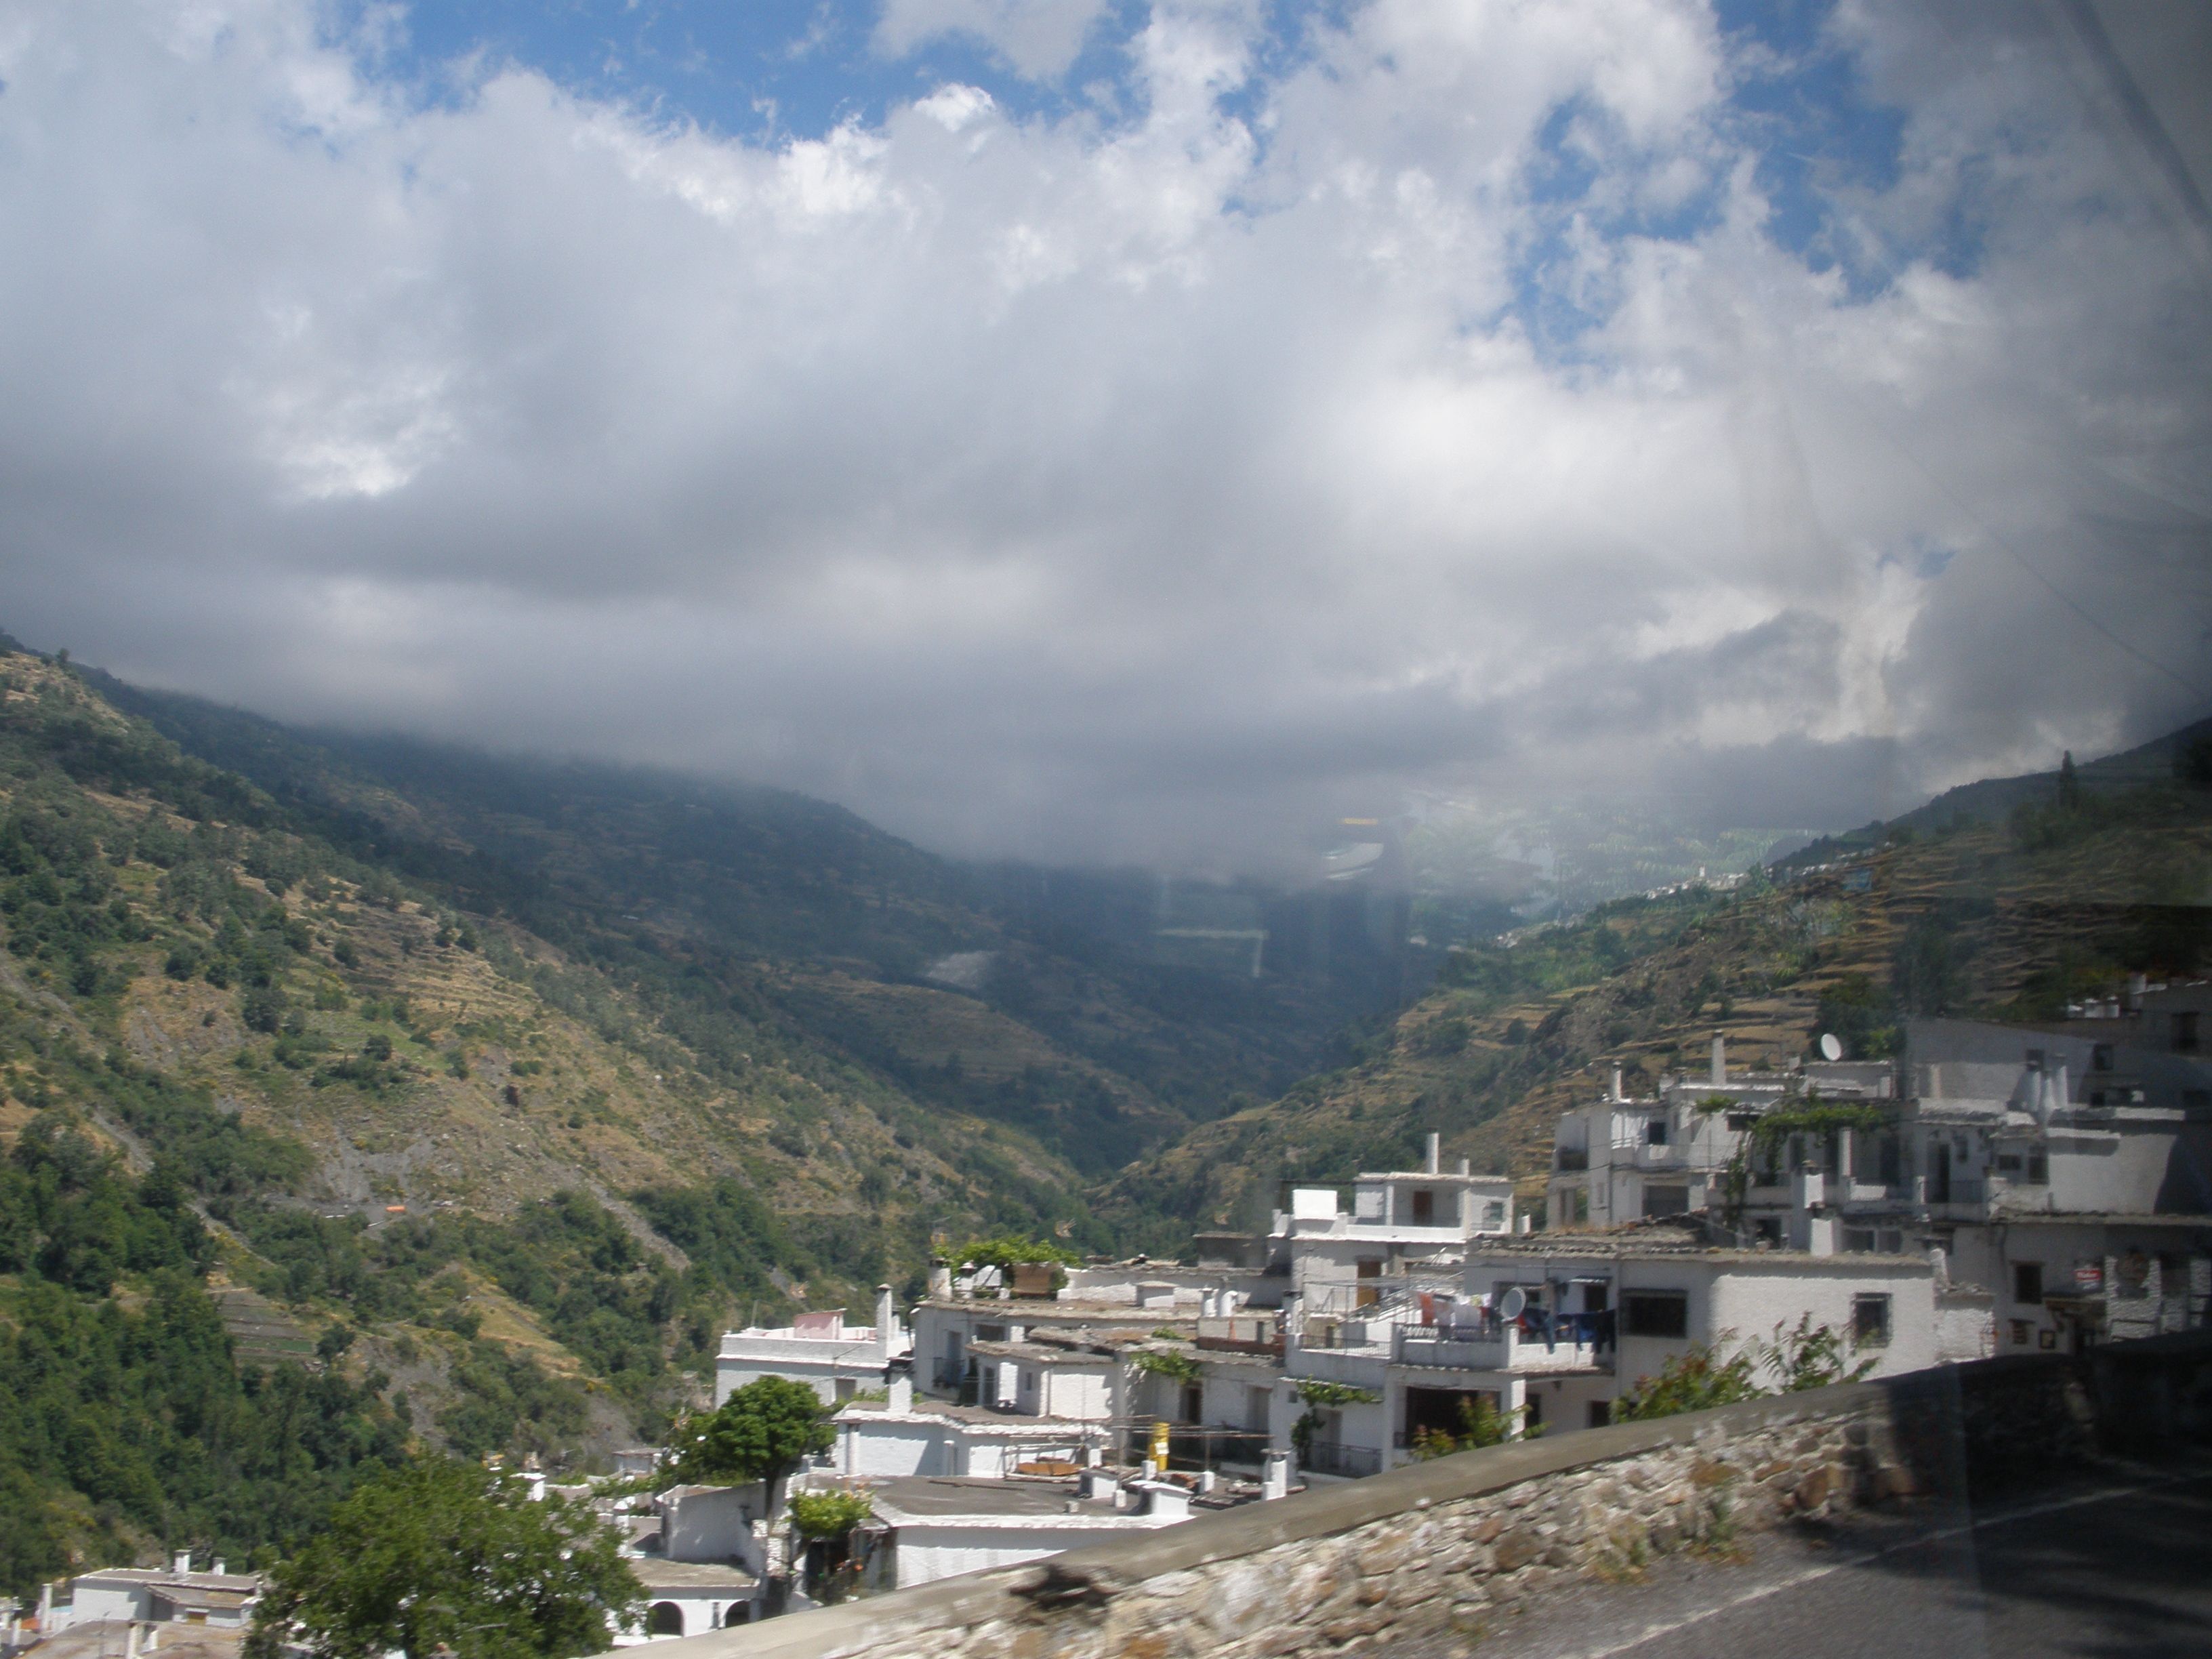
(2002, 918)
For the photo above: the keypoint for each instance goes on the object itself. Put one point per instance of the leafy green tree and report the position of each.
(759, 1434)
(447, 1552)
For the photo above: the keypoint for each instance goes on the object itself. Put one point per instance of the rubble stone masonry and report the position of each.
(1446, 1545)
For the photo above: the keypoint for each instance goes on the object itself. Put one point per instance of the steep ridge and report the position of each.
(2003, 916)
(490, 1163)
(707, 899)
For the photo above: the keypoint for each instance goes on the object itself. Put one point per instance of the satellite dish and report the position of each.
(1511, 1303)
(1831, 1046)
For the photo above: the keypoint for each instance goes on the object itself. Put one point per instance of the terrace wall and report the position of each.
(1448, 1545)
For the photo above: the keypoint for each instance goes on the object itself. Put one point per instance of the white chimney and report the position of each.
(1435, 1152)
(1275, 1476)
(940, 1281)
(1466, 1167)
(222, 1566)
(1168, 1501)
(886, 1319)
(1719, 1078)
(1294, 1322)
(1617, 1095)
(2060, 1097)
(181, 1562)
(902, 1393)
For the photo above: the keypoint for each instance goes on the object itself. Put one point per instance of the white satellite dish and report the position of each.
(1511, 1304)
(1831, 1046)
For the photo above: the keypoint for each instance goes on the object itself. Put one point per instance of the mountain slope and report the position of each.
(2001, 918)
(707, 899)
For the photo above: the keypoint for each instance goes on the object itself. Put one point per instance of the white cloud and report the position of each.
(1038, 38)
(1093, 488)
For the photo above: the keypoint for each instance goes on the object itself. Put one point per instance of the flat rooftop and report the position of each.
(927, 1496)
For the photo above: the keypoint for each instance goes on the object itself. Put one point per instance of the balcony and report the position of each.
(1570, 1160)
(1577, 1342)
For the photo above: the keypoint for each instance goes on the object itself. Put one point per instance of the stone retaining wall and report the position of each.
(1448, 1545)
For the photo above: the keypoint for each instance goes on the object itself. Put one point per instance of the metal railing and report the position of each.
(1326, 1458)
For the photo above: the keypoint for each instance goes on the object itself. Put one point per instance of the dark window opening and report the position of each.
(1655, 1133)
(1655, 1313)
(1425, 1208)
(1600, 1412)
(2028, 1283)
(1870, 1322)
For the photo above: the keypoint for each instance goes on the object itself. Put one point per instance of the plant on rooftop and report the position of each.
(1169, 1362)
(824, 1514)
(442, 1553)
(1008, 1251)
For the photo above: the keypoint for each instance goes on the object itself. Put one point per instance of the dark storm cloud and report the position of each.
(1150, 489)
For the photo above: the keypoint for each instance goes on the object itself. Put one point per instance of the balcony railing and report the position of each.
(1571, 1341)
(1323, 1457)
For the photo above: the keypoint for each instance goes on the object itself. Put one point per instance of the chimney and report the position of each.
(1466, 1167)
(886, 1319)
(1435, 1152)
(1275, 1476)
(1617, 1095)
(2060, 1097)
(1167, 1501)
(901, 1398)
(2137, 984)
(940, 1280)
(181, 1562)
(1294, 1322)
(1719, 1078)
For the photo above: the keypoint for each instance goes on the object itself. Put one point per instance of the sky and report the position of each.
(1095, 429)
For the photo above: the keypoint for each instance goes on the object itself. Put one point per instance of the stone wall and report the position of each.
(1449, 1545)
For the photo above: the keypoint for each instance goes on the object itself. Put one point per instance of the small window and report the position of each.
(1194, 1402)
(1655, 1133)
(1870, 1322)
(1655, 1313)
(2038, 1168)
(2028, 1283)
(1742, 1122)
(1600, 1412)
(1425, 1208)
(1859, 1239)
(2020, 1332)
(2101, 1057)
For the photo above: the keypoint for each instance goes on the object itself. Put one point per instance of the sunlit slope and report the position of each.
(427, 1054)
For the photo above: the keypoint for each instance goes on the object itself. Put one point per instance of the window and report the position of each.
(1742, 1121)
(1869, 1321)
(1655, 1133)
(1493, 1213)
(1858, 1239)
(2038, 1167)
(2020, 1332)
(1600, 1412)
(1666, 1200)
(1655, 1313)
(1425, 1207)
(1194, 1402)
(2028, 1283)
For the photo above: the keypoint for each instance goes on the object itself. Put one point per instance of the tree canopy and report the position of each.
(759, 1434)
(446, 1551)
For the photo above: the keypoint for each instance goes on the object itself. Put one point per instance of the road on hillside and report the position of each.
(2118, 1568)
